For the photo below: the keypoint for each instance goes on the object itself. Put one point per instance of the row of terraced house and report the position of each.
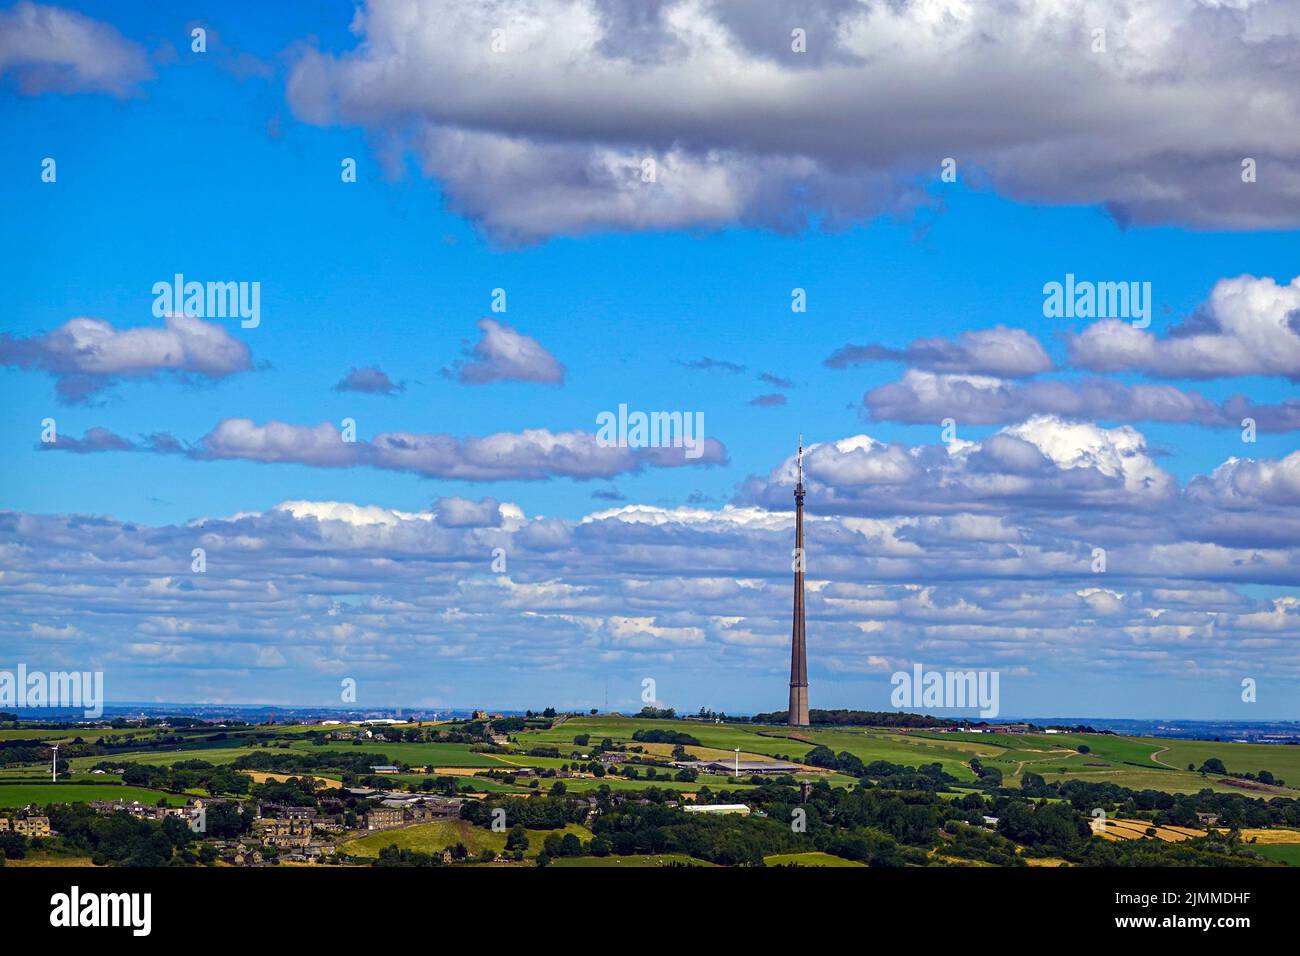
(26, 824)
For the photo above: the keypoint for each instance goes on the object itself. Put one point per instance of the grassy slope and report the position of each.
(164, 758)
(757, 741)
(809, 859)
(1282, 761)
(428, 837)
(1127, 761)
(1288, 853)
(33, 859)
(438, 755)
(658, 859)
(21, 794)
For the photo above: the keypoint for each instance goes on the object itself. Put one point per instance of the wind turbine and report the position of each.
(54, 768)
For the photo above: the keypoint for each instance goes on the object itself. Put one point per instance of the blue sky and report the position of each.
(225, 166)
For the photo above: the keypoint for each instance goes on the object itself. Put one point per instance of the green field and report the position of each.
(88, 734)
(428, 837)
(22, 794)
(1281, 761)
(769, 741)
(40, 773)
(809, 859)
(1288, 853)
(417, 754)
(165, 758)
(653, 859)
(951, 751)
(1128, 761)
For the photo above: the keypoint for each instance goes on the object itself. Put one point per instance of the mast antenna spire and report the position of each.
(798, 713)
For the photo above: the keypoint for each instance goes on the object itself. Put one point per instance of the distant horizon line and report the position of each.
(585, 711)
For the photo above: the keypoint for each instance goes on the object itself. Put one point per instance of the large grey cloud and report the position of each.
(1243, 483)
(50, 49)
(1043, 462)
(1248, 326)
(547, 130)
(926, 398)
(87, 355)
(1056, 480)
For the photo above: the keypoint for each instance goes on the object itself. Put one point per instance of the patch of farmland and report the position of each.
(1120, 829)
(260, 776)
(1288, 853)
(442, 834)
(1281, 761)
(1135, 779)
(21, 794)
(415, 754)
(808, 859)
(1269, 836)
(217, 756)
(634, 862)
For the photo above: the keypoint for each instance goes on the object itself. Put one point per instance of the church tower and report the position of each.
(798, 645)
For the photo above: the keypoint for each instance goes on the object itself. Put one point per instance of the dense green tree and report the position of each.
(517, 838)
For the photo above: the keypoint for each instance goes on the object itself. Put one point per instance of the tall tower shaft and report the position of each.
(798, 642)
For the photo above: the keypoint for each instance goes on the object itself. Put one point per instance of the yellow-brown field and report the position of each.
(49, 860)
(1136, 830)
(261, 777)
(1270, 836)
